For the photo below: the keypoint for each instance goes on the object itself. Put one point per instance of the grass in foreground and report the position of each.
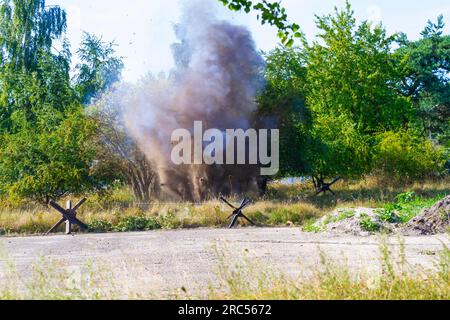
(247, 280)
(332, 281)
(53, 280)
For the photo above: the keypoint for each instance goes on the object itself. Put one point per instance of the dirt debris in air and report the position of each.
(431, 221)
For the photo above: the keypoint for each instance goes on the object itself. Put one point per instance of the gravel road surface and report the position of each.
(164, 261)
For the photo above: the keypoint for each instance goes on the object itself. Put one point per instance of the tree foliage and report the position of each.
(403, 155)
(49, 159)
(99, 68)
(283, 105)
(45, 149)
(271, 13)
(27, 28)
(426, 79)
(340, 101)
(351, 92)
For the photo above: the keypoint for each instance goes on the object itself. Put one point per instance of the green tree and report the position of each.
(99, 68)
(45, 148)
(49, 159)
(283, 105)
(27, 31)
(28, 27)
(352, 77)
(269, 12)
(426, 79)
(47, 151)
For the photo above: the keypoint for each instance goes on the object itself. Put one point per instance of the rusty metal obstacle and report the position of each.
(69, 216)
(323, 187)
(237, 211)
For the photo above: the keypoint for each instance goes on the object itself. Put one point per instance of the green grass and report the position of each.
(407, 206)
(311, 227)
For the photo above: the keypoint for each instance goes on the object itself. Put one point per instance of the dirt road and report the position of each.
(164, 261)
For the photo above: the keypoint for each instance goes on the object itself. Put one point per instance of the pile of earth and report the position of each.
(367, 221)
(357, 221)
(431, 221)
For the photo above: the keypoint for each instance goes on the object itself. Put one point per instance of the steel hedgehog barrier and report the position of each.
(237, 213)
(323, 187)
(69, 216)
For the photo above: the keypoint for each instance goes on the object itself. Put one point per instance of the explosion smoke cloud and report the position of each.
(216, 79)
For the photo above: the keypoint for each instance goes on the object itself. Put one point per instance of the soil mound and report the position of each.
(431, 221)
(357, 221)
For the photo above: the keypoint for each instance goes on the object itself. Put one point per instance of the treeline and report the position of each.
(48, 145)
(354, 102)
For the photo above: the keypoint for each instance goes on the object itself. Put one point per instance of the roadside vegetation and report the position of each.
(248, 279)
(396, 280)
(284, 205)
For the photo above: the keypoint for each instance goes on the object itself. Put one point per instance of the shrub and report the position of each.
(100, 226)
(137, 224)
(403, 155)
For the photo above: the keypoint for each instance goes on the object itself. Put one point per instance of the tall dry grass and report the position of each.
(292, 205)
(163, 216)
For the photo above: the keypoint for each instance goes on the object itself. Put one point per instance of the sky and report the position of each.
(143, 29)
